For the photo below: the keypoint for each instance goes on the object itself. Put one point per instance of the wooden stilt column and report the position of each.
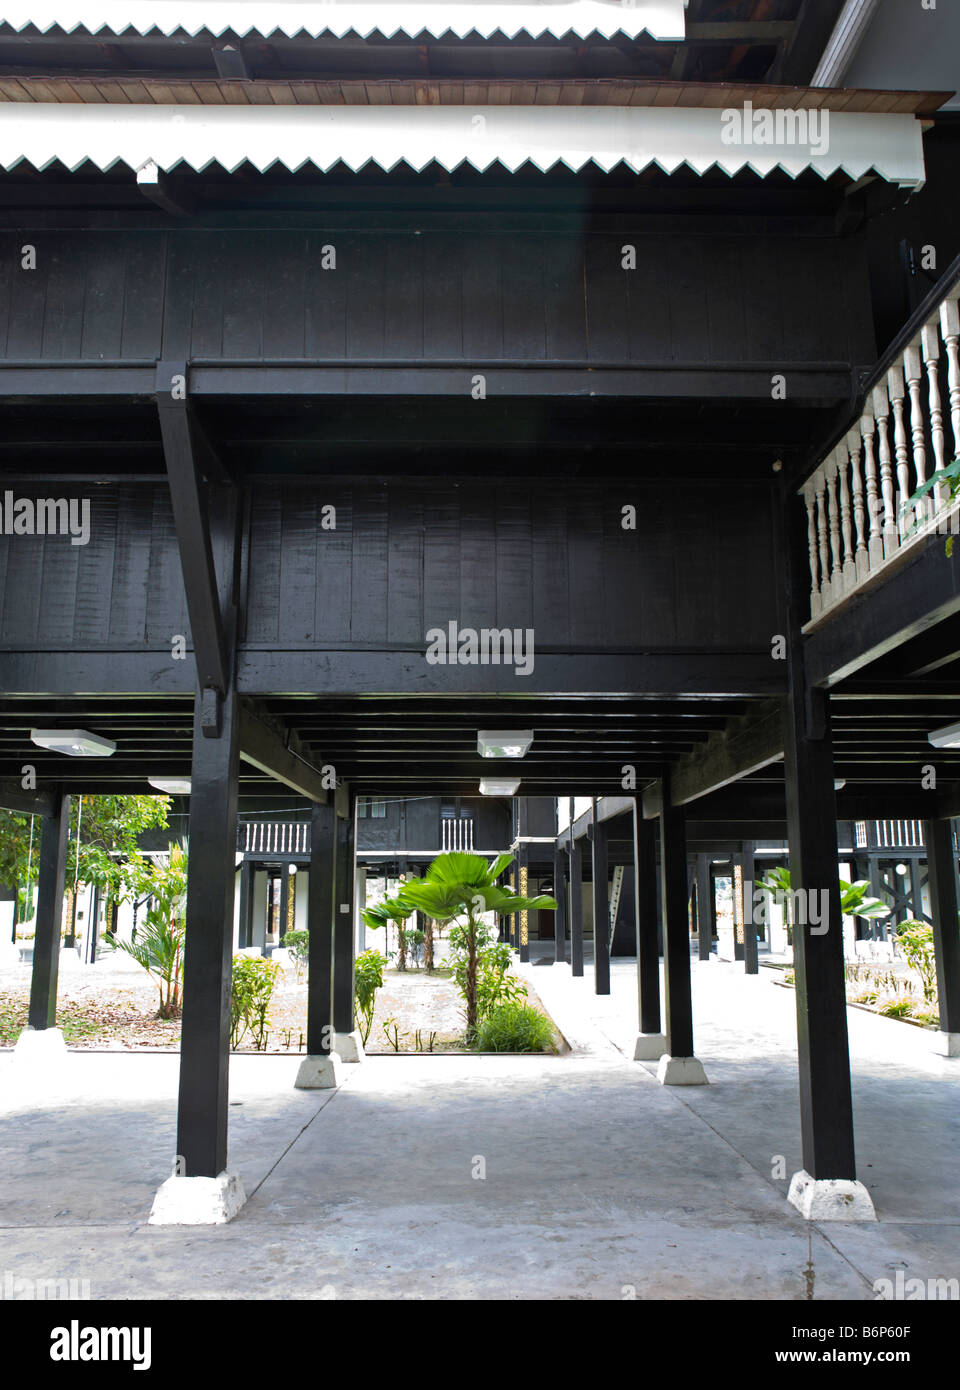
(576, 907)
(559, 917)
(51, 870)
(343, 954)
(679, 1066)
(751, 959)
(601, 905)
(942, 877)
(208, 952)
(826, 1188)
(651, 1042)
(320, 919)
(704, 906)
(246, 902)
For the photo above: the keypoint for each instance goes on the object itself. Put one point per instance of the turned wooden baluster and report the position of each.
(854, 447)
(869, 428)
(950, 328)
(820, 484)
(836, 562)
(846, 518)
(930, 340)
(881, 411)
(913, 370)
(809, 497)
(897, 390)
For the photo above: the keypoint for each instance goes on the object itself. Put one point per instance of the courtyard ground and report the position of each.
(560, 1177)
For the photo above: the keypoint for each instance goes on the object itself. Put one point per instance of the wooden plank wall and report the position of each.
(434, 294)
(408, 555)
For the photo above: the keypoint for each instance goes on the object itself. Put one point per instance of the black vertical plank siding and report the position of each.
(248, 275)
(514, 564)
(726, 326)
(606, 299)
(59, 563)
(212, 271)
(28, 296)
(585, 548)
(403, 327)
(103, 297)
(684, 269)
(368, 610)
(646, 292)
(166, 609)
(334, 564)
(551, 568)
(564, 306)
(442, 296)
(441, 557)
(283, 325)
(181, 259)
(298, 562)
(482, 298)
(263, 601)
(131, 587)
(521, 276)
(95, 570)
(362, 268)
(478, 555)
(405, 566)
(10, 244)
(144, 279)
(325, 296)
(63, 310)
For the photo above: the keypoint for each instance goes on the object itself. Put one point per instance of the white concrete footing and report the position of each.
(830, 1199)
(650, 1047)
(320, 1073)
(681, 1071)
(198, 1201)
(41, 1047)
(947, 1044)
(349, 1046)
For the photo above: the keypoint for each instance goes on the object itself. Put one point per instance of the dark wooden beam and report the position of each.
(41, 802)
(576, 905)
(676, 936)
(263, 748)
(749, 743)
(648, 945)
(320, 922)
(942, 876)
(560, 894)
(343, 955)
(601, 905)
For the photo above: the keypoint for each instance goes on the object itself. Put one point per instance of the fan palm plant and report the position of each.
(460, 888)
(158, 947)
(395, 910)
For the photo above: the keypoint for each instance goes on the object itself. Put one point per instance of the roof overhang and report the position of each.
(165, 137)
(661, 19)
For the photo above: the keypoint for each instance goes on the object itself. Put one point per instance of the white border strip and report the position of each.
(296, 136)
(662, 19)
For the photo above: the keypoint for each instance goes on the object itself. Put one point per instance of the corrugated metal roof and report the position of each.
(322, 136)
(662, 19)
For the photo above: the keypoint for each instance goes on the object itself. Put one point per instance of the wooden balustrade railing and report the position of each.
(858, 515)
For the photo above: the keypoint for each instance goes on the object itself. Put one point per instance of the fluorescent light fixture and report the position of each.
(504, 743)
(173, 786)
(291, 868)
(839, 783)
(948, 737)
(499, 786)
(76, 743)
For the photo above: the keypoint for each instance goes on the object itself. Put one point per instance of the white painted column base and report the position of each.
(41, 1047)
(681, 1071)
(830, 1199)
(198, 1201)
(320, 1073)
(650, 1047)
(349, 1046)
(947, 1044)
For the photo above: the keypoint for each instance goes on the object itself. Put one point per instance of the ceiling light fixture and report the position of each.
(499, 786)
(948, 737)
(504, 743)
(76, 743)
(173, 786)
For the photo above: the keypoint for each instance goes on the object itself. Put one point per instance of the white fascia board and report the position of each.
(298, 136)
(661, 19)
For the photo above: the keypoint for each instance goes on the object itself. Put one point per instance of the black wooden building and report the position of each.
(410, 384)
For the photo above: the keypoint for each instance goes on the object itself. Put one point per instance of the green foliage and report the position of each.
(896, 1008)
(298, 944)
(394, 1039)
(395, 910)
(368, 978)
(494, 984)
(461, 887)
(514, 1027)
(158, 947)
(915, 940)
(950, 477)
(853, 896)
(251, 989)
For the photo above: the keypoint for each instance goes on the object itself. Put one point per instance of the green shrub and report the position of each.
(251, 989)
(865, 996)
(915, 940)
(494, 984)
(897, 1008)
(514, 1027)
(368, 978)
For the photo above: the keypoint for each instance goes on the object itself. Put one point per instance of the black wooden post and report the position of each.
(343, 955)
(676, 935)
(320, 918)
(559, 917)
(51, 875)
(651, 1043)
(205, 1033)
(704, 906)
(576, 907)
(246, 902)
(942, 880)
(751, 959)
(601, 904)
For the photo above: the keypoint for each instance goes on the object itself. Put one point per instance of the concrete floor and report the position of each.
(598, 1181)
